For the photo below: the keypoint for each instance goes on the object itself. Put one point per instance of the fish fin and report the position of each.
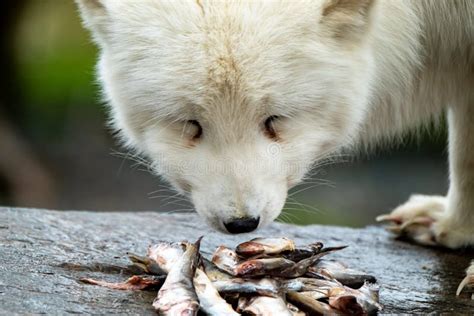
(331, 249)
(198, 241)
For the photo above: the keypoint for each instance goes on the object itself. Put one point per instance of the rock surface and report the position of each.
(44, 253)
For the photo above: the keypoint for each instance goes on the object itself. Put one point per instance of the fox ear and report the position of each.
(346, 18)
(95, 17)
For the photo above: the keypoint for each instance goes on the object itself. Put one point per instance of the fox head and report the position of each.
(234, 101)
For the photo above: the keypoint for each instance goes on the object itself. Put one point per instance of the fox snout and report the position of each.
(231, 207)
(242, 225)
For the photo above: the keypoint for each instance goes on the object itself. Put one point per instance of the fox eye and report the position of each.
(270, 127)
(194, 129)
(197, 129)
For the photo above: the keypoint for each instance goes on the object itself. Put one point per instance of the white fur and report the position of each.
(338, 72)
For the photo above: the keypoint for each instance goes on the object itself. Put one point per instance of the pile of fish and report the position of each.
(263, 276)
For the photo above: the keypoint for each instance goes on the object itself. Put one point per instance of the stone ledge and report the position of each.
(43, 254)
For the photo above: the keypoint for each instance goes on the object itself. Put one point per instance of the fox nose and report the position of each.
(242, 225)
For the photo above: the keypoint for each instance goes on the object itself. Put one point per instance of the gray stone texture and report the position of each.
(44, 253)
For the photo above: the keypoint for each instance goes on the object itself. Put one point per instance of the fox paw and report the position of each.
(468, 283)
(424, 220)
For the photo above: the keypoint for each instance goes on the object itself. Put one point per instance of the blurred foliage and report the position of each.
(55, 61)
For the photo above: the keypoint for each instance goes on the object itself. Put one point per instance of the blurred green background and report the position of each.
(56, 152)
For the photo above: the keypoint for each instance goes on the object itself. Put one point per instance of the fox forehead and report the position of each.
(223, 54)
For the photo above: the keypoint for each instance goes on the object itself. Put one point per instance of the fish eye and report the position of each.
(269, 125)
(197, 132)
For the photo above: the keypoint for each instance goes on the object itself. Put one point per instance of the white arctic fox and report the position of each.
(234, 101)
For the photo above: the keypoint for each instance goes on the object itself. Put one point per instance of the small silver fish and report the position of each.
(336, 270)
(263, 266)
(345, 298)
(295, 311)
(177, 295)
(309, 284)
(146, 264)
(226, 259)
(213, 272)
(340, 297)
(300, 253)
(300, 268)
(264, 286)
(317, 294)
(309, 305)
(346, 304)
(242, 302)
(209, 299)
(265, 306)
(134, 283)
(267, 246)
(165, 253)
(369, 297)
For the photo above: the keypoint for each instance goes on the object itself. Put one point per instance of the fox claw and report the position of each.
(418, 228)
(389, 218)
(467, 282)
(421, 219)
